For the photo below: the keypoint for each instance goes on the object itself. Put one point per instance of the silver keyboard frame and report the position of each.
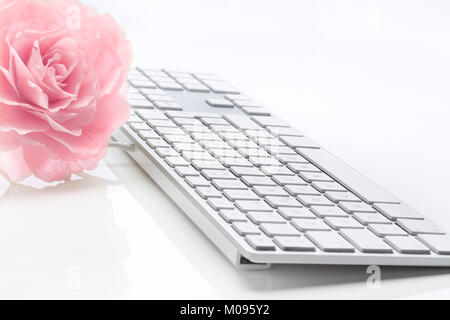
(235, 248)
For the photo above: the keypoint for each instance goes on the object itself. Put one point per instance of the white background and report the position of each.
(369, 80)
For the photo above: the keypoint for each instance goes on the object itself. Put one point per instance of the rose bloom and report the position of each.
(63, 69)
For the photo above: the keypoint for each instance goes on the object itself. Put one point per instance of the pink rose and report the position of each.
(63, 69)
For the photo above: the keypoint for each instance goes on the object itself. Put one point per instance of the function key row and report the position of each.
(143, 78)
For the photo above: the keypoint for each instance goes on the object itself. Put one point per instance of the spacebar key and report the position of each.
(349, 177)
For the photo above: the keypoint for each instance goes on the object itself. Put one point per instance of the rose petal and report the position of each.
(13, 165)
(44, 167)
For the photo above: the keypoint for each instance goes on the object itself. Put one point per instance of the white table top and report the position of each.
(368, 83)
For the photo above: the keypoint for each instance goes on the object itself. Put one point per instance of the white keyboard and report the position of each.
(261, 190)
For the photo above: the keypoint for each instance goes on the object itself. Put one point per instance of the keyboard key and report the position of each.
(264, 161)
(246, 228)
(218, 174)
(220, 86)
(304, 190)
(243, 171)
(299, 142)
(172, 139)
(264, 191)
(265, 217)
(134, 118)
(343, 223)
(157, 97)
(286, 158)
(257, 111)
(147, 84)
(247, 104)
(207, 165)
(195, 182)
(277, 150)
(197, 155)
(141, 104)
(197, 129)
(180, 147)
(276, 171)
(235, 162)
(257, 206)
(220, 103)
(257, 181)
(329, 241)
(371, 218)
(229, 184)
(194, 87)
(157, 143)
(187, 122)
(234, 195)
(208, 192)
(273, 230)
(407, 245)
(315, 176)
(289, 180)
(303, 167)
(342, 196)
(225, 153)
(166, 152)
(260, 243)
(170, 86)
(164, 105)
(237, 97)
(231, 216)
(296, 213)
(177, 162)
(416, 227)
(186, 172)
(258, 134)
(383, 230)
(328, 186)
(305, 225)
(270, 122)
(439, 244)
(215, 122)
(145, 135)
(233, 136)
(220, 204)
(242, 122)
(352, 207)
(308, 201)
(294, 244)
(161, 123)
(146, 92)
(202, 136)
(139, 126)
(398, 211)
(366, 241)
(170, 131)
(214, 145)
(253, 153)
(241, 144)
(269, 141)
(286, 202)
(278, 132)
(323, 212)
(151, 115)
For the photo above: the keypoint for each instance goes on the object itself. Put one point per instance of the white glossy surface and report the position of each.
(368, 81)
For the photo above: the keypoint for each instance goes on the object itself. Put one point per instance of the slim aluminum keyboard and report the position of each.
(259, 188)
